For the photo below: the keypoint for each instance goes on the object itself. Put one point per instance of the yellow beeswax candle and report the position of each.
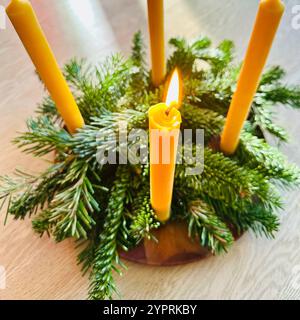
(24, 20)
(157, 40)
(164, 127)
(164, 132)
(266, 25)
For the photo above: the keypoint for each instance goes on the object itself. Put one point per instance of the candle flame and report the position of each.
(173, 96)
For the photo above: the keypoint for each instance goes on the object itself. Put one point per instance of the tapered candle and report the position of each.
(266, 25)
(164, 127)
(157, 40)
(25, 22)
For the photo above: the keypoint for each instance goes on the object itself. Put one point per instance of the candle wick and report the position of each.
(170, 107)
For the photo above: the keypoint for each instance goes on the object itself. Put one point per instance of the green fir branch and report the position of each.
(263, 120)
(43, 136)
(28, 193)
(104, 130)
(257, 154)
(102, 88)
(199, 118)
(225, 180)
(258, 218)
(71, 208)
(183, 56)
(106, 256)
(139, 84)
(48, 108)
(144, 219)
(272, 75)
(208, 228)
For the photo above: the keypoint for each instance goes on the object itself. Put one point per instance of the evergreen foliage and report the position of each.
(107, 207)
(143, 216)
(106, 256)
(208, 227)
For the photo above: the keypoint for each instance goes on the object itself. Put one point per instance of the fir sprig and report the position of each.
(201, 118)
(43, 136)
(263, 120)
(29, 193)
(261, 221)
(99, 88)
(105, 129)
(106, 256)
(144, 219)
(257, 154)
(140, 79)
(70, 210)
(47, 108)
(223, 179)
(204, 224)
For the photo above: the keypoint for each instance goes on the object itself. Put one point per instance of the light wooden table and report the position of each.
(40, 269)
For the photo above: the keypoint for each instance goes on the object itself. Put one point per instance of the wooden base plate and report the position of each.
(173, 247)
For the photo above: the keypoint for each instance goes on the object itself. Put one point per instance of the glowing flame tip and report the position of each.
(173, 93)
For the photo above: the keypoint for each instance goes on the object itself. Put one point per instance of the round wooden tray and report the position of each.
(173, 247)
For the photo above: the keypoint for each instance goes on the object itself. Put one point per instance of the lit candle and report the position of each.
(266, 25)
(157, 40)
(164, 127)
(24, 20)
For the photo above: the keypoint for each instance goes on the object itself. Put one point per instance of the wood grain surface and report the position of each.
(36, 268)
